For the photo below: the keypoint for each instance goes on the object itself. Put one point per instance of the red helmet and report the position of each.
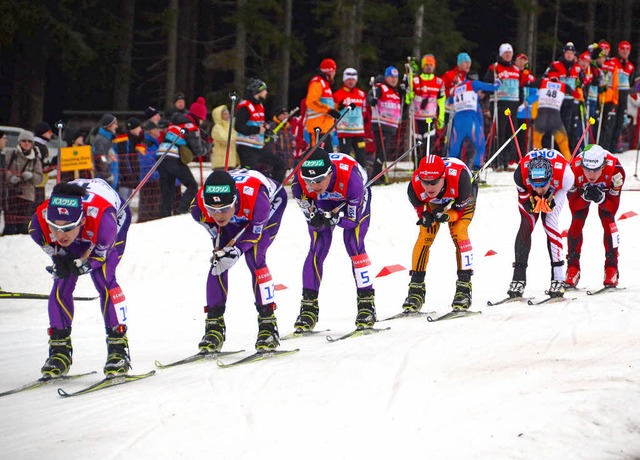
(431, 167)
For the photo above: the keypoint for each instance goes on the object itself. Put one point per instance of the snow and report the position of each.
(559, 381)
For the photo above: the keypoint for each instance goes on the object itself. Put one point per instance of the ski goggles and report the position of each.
(431, 182)
(316, 179)
(221, 209)
(539, 183)
(66, 227)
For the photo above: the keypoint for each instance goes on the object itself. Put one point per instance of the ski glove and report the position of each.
(426, 220)
(541, 204)
(224, 259)
(65, 265)
(592, 192)
(334, 113)
(373, 102)
(321, 219)
(27, 175)
(441, 217)
(14, 180)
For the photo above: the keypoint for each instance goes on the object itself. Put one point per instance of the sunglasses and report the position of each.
(221, 209)
(539, 184)
(317, 179)
(431, 182)
(66, 227)
(26, 141)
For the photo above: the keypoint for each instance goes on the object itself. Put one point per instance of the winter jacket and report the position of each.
(220, 134)
(18, 162)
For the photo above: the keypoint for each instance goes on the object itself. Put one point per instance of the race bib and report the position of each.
(265, 285)
(361, 269)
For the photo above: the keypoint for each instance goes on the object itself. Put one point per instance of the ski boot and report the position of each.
(214, 330)
(309, 311)
(556, 289)
(60, 352)
(366, 317)
(462, 297)
(516, 288)
(610, 277)
(118, 361)
(573, 276)
(268, 337)
(415, 298)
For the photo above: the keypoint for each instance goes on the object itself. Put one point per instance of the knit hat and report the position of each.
(280, 110)
(597, 53)
(133, 123)
(463, 57)
(428, 59)
(593, 157)
(569, 46)
(624, 45)
(328, 65)
(71, 134)
(431, 167)
(67, 208)
(522, 56)
(350, 73)
(42, 128)
(151, 112)
(199, 108)
(179, 96)
(107, 120)
(586, 56)
(25, 136)
(504, 48)
(391, 71)
(219, 188)
(317, 165)
(604, 45)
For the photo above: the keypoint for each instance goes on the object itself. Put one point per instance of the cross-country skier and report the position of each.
(230, 203)
(599, 178)
(543, 179)
(80, 229)
(323, 183)
(441, 192)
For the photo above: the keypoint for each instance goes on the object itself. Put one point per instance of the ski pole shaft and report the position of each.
(233, 97)
(591, 122)
(60, 126)
(507, 112)
(429, 120)
(502, 147)
(151, 171)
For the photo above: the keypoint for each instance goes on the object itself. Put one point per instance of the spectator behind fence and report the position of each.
(282, 144)
(150, 192)
(220, 134)
(103, 154)
(23, 172)
(126, 146)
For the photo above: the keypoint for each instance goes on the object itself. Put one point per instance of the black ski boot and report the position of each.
(214, 330)
(268, 337)
(60, 352)
(462, 297)
(118, 361)
(366, 317)
(415, 298)
(309, 311)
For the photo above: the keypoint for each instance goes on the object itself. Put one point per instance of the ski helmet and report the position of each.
(431, 168)
(255, 86)
(219, 189)
(593, 157)
(540, 170)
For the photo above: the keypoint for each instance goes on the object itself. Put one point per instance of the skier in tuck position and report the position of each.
(237, 210)
(80, 228)
(543, 178)
(441, 191)
(323, 183)
(599, 179)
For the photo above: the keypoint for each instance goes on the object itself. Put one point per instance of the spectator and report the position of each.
(320, 105)
(220, 134)
(152, 114)
(127, 147)
(351, 127)
(42, 134)
(23, 172)
(282, 144)
(149, 193)
(179, 106)
(103, 154)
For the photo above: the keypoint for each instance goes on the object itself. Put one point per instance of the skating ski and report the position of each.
(298, 334)
(106, 383)
(197, 357)
(549, 300)
(27, 295)
(605, 289)
(44, 381)
(409, 314)
(258, 356)
(453, 314)
(508, 300)
(357, 333)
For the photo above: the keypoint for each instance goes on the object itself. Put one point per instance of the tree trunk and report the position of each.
(172, 52)
(418, 32)
(122, 75)
(590, 25)
(29, 80)
(240, 48)
(208, 73)
(285, 55)
(532, 34)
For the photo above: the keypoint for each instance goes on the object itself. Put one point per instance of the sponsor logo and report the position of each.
(92, 211)
(248, 190)
(217, 189)
(313, 164)
(257, 229)
(344, 167)
(64, 201)
(63, 211)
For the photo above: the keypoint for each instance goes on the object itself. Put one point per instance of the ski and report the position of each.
(508, 300)
(605, 289)
(453, 314)
(357, 333)
(258, 356)
(408, 314)
(44, 381)
(297, 334)
(549, 300)
(27, 295)
(106, 383)
(197, 357)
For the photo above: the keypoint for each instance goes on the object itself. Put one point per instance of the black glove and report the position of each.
(61, 265)
(441, 217)
(374, 101)
(592, 192)
(426, 220)
(341, 106)
(317, 221)
(334, 113)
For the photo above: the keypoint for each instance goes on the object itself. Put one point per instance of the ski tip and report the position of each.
(530, 302)
(62, 393)
(159, 365)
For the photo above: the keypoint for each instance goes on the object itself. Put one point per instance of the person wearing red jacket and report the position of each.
(599, 178)
(351, 128)
(626, 74)
(428, 104)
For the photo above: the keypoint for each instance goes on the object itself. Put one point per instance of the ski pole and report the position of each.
(233, 97)
(591, 121)
(151, 171)
(507, 112)
(60, 126)
(502, 147)
(429, 120)
(600, 122)
(282, 123)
